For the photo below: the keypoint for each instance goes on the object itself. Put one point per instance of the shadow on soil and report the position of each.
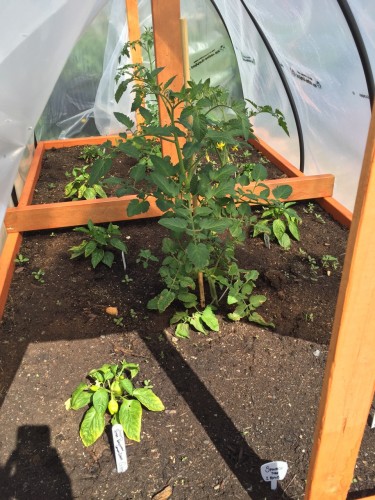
(34, 469)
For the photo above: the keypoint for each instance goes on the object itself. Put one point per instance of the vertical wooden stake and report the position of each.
(168, 55)
(134, 32)
(349, 381)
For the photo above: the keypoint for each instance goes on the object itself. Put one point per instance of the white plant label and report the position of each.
(274, 471)
(119, 447)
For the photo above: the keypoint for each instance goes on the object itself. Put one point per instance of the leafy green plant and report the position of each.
(127, 279)
(144, 257)
(79, 187)
(111, 392)
(99, 245)
(21, 259)
(94, 151)
(39, 275)
(278, 222)
(313, 264)
(207, 204)
(329, 263)
(119, 321)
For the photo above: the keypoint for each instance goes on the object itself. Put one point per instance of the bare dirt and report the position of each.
(234, 399)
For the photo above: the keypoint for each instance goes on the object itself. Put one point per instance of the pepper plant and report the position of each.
(111, 391)
(98, 246)
(206, 200)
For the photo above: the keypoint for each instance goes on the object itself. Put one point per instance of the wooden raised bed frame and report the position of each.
(349, 382)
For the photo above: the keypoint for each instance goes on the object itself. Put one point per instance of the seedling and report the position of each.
(133, 314)
(314, 267)
(21, 259)
(98, 247)
(126, 279)
(118, 321)
(91, 153)
(51, 185)
(79, 187)
(144, 257)
(111, 394)
(38, 275)
(329, 263)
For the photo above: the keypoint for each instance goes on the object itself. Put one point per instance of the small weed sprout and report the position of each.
(118, 321)
(91, 153)
(21, 259)
(144, 257)
(126, 279)
(329, 263)
(39, 275)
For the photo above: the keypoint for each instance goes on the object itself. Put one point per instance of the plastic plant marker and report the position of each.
(123, 260)
(120, 448)
(274, 471)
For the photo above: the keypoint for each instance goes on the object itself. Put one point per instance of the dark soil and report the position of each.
(233, 399)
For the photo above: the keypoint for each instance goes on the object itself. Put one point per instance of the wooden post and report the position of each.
(349, 381)
(168, 54)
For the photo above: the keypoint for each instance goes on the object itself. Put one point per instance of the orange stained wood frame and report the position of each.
(168, 55)
(66, 214)
(349, 381)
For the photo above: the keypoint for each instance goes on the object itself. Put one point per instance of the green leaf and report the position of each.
(100, 401)
(199, 255)
(208, 317)
(165, 299)
(285, 242)
(190, 149)
(257, 300)
(108, 258)
(257, 318)
(259, 172)
(129, 149)
(130, 417)
(174, 223)
(293, 228)
(164, 205)
(218, 225)
(100, 191)
(166, 186)
(92, 427)
(117, 243)
(97, 257)
(187, 297)
(148, 398)
(195, 321)
(80, 397)
(282, 192)
(182, 331)
(146, 114)
(100, 168)
(89, 248)
(232, 298)
(233, 316)
(203, 211)
(125, 120)
(133, 368)
(127, 385)
(278, 228)
(178, 316)
(224, 189)
(199, 126)
(138, 172)
(89, 193)
(163, 165)
(137, 207)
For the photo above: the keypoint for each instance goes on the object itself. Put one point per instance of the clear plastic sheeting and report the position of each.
(36, 38)
(318, 55)
(364, 14)
(261, 82)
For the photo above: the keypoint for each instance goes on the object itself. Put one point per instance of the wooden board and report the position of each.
(9, 253)
(74, 213)
(349, 380)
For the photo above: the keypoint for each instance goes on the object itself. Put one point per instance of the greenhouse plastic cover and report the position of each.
(299, 57)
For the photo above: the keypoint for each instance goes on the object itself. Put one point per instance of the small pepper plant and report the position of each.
(205, 198)
(111, 392)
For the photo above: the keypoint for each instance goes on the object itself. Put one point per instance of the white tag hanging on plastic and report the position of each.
(274, 471)
(119, 447)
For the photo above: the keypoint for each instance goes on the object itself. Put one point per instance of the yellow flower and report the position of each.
(234, 148)
(208, 157)
(220, 145)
